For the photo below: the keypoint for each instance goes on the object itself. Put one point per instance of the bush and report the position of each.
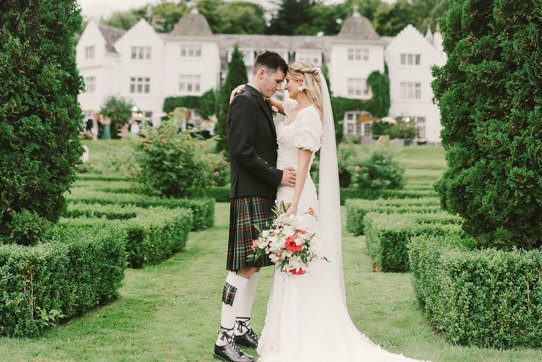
(203, 209)
(378, 172)
(484, 298)
(151, 235)
(489, 97)
(220, 193)
(170, 163)
(357, 209)
(119, 110)
(40, 115)
(387, 236)
(72, 273)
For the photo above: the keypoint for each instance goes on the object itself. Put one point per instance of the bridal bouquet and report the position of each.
(287, 243)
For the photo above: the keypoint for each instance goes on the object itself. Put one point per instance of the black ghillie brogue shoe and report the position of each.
(231, 352)
(248, 338)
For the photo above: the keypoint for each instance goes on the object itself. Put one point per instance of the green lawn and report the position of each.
(171, 311)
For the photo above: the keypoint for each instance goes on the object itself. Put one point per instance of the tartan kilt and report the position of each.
(245, 212)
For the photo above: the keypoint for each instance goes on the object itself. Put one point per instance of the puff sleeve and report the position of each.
(309, 130)
(289, 106)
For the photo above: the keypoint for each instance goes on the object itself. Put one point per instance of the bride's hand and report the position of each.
(292, 210)
(235, 91)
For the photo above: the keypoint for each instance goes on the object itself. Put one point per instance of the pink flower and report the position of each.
(301, 231)
(217, 173)
(291, 244)
(254, 244)
(200, 144)
(310, 211)
(358, 169)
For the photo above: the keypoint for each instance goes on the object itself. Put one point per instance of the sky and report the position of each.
(104, 8)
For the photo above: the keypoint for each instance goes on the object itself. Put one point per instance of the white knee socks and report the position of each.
(232, 295)
(245, 305)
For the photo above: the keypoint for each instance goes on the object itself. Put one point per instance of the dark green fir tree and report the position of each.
(237, 74)
(40, 117)
(490, 100)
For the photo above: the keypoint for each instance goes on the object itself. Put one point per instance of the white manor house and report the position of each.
(147, 67)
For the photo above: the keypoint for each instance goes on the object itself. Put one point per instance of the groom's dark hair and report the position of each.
(271, 60)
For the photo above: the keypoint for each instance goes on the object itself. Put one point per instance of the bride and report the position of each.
(307, 317)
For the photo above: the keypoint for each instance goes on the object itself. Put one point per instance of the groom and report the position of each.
(254, 181)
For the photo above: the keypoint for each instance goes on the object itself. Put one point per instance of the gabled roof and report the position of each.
(111, 35)
(192, 24)
(358, 27)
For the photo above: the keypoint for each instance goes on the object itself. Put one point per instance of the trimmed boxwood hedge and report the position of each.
(220, 193)
(72, 273)
(388, 235)
(95, 177)
(203, 210)
(486, 298)
(151, 235)
(356, 209)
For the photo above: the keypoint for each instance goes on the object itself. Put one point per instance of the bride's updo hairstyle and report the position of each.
(308, 74)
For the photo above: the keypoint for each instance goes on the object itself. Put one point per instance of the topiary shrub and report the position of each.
(40, 117)
(489, 96)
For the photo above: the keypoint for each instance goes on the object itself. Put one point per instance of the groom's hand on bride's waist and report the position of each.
(288, 177)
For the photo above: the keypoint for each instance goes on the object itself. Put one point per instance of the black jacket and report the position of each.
(253, 146)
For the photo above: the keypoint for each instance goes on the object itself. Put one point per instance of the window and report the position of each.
(420, 124)
(141, 53)
(367, 129)
(90, 84)
(357, 87)
(147, 114)
(190, 51)
(89, 52)
(356, 55)
(189, 83)
(410, 59)
(140, 85)
(313, 57)
(411, 90)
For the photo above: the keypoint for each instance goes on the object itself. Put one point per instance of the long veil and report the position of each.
(329, 194)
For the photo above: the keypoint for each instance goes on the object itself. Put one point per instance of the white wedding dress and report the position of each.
(307, 318)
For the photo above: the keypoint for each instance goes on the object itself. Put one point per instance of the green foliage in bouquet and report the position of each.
(171, 163)
(40, 117)
(489, 96)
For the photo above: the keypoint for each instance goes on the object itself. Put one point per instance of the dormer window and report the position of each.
(89, 52)
(141, 53)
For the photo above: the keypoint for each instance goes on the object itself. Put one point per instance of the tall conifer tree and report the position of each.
(40, 117)
(237, 74)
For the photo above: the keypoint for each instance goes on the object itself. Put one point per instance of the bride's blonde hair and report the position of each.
(308, 74)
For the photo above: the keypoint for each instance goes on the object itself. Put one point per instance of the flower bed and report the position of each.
(72, 273)
(388, 235)
(486, 298)
(151, 234)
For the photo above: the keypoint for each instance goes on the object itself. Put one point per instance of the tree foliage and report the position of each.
(119, 110)
(40, 117)
(489, 96)
(207, 104)
(237, 74)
